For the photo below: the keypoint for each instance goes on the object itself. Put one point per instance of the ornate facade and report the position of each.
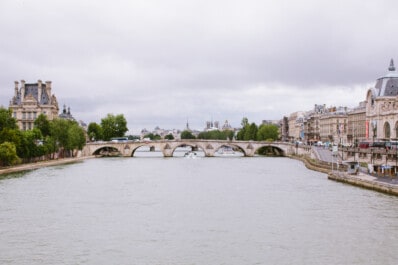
(382, 107)
(31, 100)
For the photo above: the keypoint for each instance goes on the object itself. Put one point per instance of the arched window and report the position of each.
(387, 130)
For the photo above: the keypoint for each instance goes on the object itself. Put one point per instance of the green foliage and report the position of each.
(29, 147)
(43, 124)
(94, 131)
(248, 131)
(6, 119)
(267, 132)
(113, 126)
(8, 154)
(216, 135)
(133, 137)
(152, 136)
(169, 137)
(187, 135)
(68, 135)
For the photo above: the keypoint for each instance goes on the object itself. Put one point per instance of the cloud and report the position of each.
(163, 62)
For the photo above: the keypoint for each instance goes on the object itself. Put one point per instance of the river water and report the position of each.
(156, 210)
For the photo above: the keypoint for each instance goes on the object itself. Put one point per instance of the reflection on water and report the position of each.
(223, 210)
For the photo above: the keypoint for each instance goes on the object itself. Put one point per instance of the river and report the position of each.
(154, 210)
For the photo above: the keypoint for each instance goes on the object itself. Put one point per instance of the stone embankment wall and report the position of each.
(362, 180)
(388, 188)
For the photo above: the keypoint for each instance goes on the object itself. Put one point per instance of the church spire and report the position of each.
(392, 67)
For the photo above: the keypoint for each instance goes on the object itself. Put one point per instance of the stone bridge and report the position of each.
(209, 147)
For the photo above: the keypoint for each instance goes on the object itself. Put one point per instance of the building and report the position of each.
(296, 126)
(356, 124)
(333, 126)
(311, 124)
(30, 100)
(66, 114)
(382, 107)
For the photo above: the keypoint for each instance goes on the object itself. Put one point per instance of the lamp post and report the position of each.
(396, 149)
(374, 128)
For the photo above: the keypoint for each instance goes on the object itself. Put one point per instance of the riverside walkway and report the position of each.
(378, 182)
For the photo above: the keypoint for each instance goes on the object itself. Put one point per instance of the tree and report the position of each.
(216, 135)
(76, 137)
(187, 135)
(251, 132)
(8, 154)
(6, 120)
(67, 135)
(113, 126)
(152, 136)
(43, 124)
(94, 131)
(30, 147)
(169, 137)
(267, 132)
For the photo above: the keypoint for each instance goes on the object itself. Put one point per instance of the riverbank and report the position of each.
(384, 184)
(388, 185)
(36, 165)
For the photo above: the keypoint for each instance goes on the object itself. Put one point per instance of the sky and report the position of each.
(166, 63)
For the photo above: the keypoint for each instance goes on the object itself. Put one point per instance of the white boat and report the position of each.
(190, 154)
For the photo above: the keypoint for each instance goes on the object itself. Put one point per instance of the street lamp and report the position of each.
(374, 128)
(396, 149)
(355, 143)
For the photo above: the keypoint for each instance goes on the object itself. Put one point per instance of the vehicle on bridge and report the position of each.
(119, 139)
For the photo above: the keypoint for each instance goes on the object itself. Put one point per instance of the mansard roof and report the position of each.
(32, 91)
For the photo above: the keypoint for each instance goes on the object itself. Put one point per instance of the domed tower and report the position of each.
(382, 106)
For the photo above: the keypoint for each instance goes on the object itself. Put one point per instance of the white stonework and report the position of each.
(30, 100)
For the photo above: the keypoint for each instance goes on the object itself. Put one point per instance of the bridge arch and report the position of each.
(233, 146)
(270, 149)
(194, 147)
(107, 151)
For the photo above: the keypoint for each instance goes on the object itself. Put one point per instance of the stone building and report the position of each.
(311, 124)
(356, 124)
(295, 125)
(333, 126)
(32, 99)
(382, 107)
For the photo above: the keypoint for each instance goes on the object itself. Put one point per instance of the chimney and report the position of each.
(39, 90)
(22, 89)
(48, 88)
(16, 88)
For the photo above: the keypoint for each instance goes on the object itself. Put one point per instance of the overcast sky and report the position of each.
(161, 63)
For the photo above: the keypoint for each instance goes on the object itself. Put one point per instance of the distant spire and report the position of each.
(392, 67)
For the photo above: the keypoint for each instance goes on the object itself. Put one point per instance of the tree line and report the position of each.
(42, 142)
(249, 131)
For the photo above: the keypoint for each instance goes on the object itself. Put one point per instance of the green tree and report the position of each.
(250, 132)
(8, 154)
(94, 131)
(152, 136)
(30, 147)
(43, 124)
(76, 138)
(6, 120)
(113, 126)
(242, 132)
(67, 135)
(187, 135)
(267, 132)
(169, 137)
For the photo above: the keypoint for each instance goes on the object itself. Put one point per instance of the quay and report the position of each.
(382, 184)
(385, 183)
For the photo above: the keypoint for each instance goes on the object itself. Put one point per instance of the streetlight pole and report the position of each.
(396, 149)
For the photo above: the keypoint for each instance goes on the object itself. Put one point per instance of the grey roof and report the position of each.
(33, 89)
(388, 84)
